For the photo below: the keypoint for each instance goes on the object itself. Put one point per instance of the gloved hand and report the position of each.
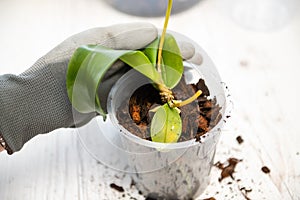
(36, 101)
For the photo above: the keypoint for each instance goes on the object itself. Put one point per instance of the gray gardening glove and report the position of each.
(36, 101)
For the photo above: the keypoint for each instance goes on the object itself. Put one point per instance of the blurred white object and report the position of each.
(261, 15)
(150, 8)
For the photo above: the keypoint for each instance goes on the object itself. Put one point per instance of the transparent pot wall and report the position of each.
(171, 171)
(150, 8)
(174, 171)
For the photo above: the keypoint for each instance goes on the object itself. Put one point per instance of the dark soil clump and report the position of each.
(265, 169)
(228, 170)
(198, 117)
(239, 139)
(116, 187)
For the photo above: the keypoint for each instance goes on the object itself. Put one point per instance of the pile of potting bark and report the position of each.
(197, 118)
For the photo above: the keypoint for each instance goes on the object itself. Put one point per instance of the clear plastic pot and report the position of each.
(150, 8)
(173, 171)
(167, 171)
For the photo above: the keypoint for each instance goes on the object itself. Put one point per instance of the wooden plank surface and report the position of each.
(261, 69)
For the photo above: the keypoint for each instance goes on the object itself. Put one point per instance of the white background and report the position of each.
(261, 67)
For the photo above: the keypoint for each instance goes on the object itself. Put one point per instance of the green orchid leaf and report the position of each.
(172, 66)
(140, 62)
(166, 125)
(151, 51)
(88, 66)
(172, 63)
(77, 58)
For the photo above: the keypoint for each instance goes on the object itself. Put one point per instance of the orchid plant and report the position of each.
(160, 61)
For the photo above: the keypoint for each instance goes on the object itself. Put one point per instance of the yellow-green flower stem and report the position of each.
(162, 39)
(165, 92)
(178, 103)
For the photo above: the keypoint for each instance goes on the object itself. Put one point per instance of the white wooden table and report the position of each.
(261, 69)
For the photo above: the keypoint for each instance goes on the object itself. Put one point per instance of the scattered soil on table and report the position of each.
(228, 170)
(198, 117)
(239, 139)
(150, 198)
(116, 187)
(244, 63)
(265, 169)
(245, 192)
